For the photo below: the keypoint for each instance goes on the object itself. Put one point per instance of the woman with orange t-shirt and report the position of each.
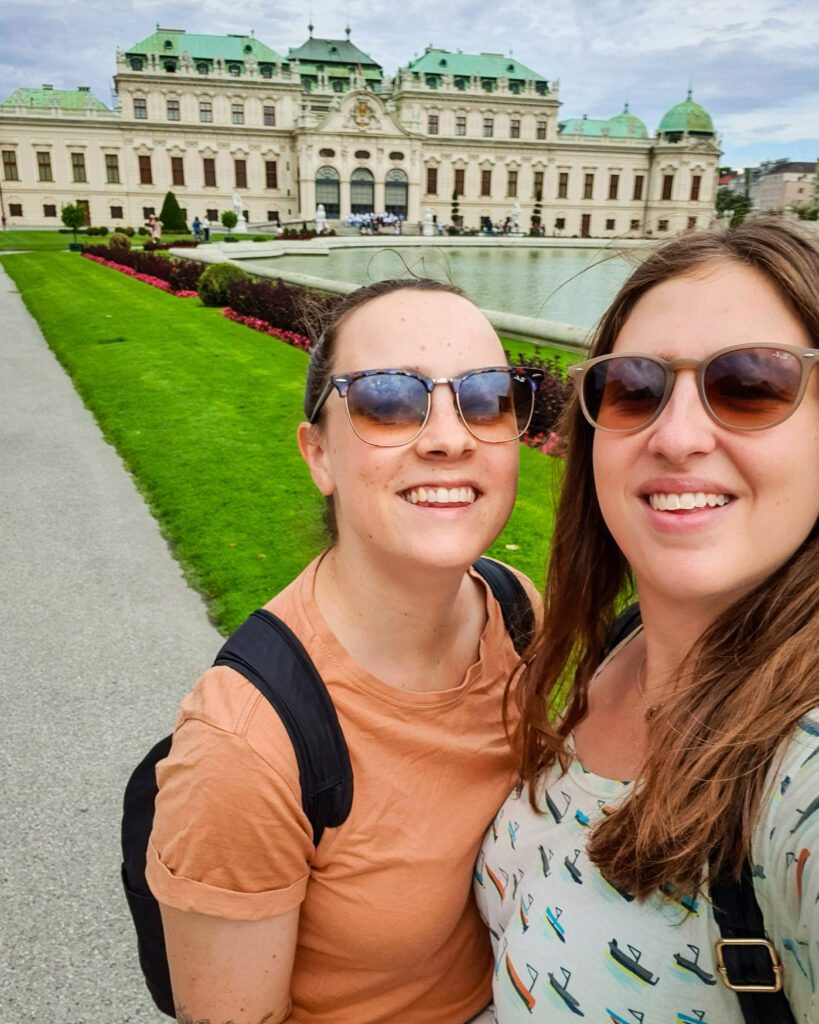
(377, 922)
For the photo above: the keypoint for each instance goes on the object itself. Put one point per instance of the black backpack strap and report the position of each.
(508, 591)
(267, 653)
(745, 957)
(625, 623)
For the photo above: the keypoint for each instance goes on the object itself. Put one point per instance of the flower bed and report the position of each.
(155, 282)
(299, 341)
(179, 275)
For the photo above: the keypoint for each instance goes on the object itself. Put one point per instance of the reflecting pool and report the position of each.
(570, 285)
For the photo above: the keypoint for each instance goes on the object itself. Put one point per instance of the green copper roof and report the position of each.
(482, 65)
(687, 116)
(174, 42)
(48, 98)
(629, 124)
(621, 126)
(332, 51)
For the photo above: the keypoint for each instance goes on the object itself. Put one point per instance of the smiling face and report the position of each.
(442, 499)
(703, 512)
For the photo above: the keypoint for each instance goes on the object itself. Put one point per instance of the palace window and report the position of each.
(140, 108)
(44, 172)
(202, 67)
(268, 115)
(486, 182)
(696, 180)
(112, 168)
(432, 124)
(15, 209)
(116, 213)
(235, 70)
(460, 175)
(488, 127)
(514, 128)
(145, 174)
(538, 185)
(240, 171)
(395, 155)
(563, 185)
(327, 153)
(634, 225)
(205, 111)
(362, 154)
(662, 225)
(10, 165)
(614, 185)
(212, 216)
(78, 167)
(610, 224)
(177, 170)
(668, 185)
(560, 223)
(173, 110)
(136, 64)
(588, 186)
(432, 181)
(638, 186)
(237, 113)
(460, 124)
(540, 131)
(271, 174)
(511, 184)
(49, 210)
(209, 171)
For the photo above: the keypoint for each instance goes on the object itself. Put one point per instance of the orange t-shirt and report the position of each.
(388, 930)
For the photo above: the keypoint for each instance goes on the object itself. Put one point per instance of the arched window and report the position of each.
(327, 191)
(362, 191)
(396, 185)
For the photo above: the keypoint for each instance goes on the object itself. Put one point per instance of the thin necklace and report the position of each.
(650, 709)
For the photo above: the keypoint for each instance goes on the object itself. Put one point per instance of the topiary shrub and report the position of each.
(143, 230)
(119, 240)
(213, 284)
(128, 231)
(171, 215)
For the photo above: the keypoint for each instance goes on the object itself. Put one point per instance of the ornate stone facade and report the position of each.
(207, 116)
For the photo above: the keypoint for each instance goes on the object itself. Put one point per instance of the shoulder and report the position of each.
(531, 591)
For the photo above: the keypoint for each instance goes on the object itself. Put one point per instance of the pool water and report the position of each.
(570, 285)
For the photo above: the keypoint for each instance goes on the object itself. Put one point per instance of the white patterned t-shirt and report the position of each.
(568, 945)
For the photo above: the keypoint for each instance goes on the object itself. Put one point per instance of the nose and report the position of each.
(684, 428)
(444, 433)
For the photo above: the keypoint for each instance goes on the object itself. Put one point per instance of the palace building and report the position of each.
(210, 116)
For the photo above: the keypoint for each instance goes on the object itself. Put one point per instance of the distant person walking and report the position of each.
(154, 226)
(197, 229)
(206, 230)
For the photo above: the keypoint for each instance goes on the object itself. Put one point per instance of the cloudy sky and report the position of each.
(753, 63)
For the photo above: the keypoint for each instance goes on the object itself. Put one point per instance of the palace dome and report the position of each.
(687, 117)
(628, 124)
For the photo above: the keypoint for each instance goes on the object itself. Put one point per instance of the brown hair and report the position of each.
(324, 323)
(710, 746)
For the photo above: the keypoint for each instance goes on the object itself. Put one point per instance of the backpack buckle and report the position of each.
(774, 985)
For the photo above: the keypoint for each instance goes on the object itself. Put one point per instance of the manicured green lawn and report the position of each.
(204, 412)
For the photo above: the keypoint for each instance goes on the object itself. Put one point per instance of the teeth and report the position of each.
(686, 500)
(440, 495)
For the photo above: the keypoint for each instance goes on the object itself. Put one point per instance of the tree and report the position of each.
(73, 216)
(455, 212)
(537, 214)
(733, 204)
(229, 219)
(171, 215)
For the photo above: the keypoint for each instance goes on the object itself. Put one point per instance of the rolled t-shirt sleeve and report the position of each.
(230, 837)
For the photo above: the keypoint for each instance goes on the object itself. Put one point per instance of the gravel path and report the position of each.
(101, 637)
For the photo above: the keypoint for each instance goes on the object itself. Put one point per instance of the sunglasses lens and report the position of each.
(387, 409)
(753, 387)
(623, 393)
(496, 405)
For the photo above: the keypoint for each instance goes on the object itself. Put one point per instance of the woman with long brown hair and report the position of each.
(692, 481)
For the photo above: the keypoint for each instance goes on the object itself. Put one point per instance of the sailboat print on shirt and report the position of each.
(692, 964)
(545, 861)
(630, 961)
(525, 906)
(562, 989)
(554, 810)
(636, 1015)
(695, 1017)
(499, 880)
(522, 990)
(552, 917)
(571, 866)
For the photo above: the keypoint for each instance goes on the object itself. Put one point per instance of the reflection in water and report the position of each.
(571, 286)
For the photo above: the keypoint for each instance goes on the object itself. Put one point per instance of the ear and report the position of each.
(314, 452)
